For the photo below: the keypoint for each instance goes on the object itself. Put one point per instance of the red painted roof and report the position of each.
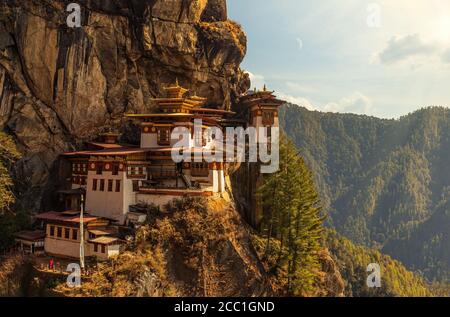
(210, 110)
(115, 151)
(106, 145)
(58, 216)
(30, 235)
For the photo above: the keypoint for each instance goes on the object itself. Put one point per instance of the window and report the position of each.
(52, 231)
(99, 168)
(268, 118)
(135, 186)
(94, 185)
(59, 232)
(95, 247)
(164, 136)
(141, 170)
(66, 233)
(102, 185)
(74, 234)
(199, 169)
(115, 169)
(103, 248)
(110, 185)
(83, 180)
(117, 186)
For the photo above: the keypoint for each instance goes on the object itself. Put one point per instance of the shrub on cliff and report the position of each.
(8, 155)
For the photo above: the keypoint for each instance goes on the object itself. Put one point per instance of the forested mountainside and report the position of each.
(396, 280)
(386, 183)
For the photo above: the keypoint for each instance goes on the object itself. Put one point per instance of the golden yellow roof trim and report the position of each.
(152, 115)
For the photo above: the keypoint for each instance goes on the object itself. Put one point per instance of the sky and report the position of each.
(382, 58)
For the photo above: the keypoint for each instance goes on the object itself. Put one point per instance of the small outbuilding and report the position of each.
(105, 247)
(31, 242)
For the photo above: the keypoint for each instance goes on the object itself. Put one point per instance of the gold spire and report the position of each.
(175, 90)
(265, 88)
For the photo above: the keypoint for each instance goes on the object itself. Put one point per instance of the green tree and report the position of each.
(292, 218)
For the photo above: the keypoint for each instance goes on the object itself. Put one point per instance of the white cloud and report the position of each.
(446, 56)
(355, 103)
(298, 88)
(410, 48)
(299, 101)
(257, 80)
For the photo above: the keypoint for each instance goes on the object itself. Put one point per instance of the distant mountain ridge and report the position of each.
(384, 183)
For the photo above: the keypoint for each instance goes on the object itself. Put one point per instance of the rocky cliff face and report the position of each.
(61, 85)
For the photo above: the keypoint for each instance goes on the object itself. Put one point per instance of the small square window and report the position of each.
(66, 233)
(164, 136)
(115, 169)
(99, 169)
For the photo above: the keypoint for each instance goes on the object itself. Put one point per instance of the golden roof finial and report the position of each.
(176, 82)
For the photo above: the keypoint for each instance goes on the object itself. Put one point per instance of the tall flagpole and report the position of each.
(82, 233)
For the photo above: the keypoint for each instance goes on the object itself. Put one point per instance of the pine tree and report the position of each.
(292, 217)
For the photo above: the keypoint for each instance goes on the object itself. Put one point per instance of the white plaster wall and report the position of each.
(113, 250)
(215, 180)
(149, 140)
(65, 247)
(129, 197)
(221, 176)
(109, 204)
